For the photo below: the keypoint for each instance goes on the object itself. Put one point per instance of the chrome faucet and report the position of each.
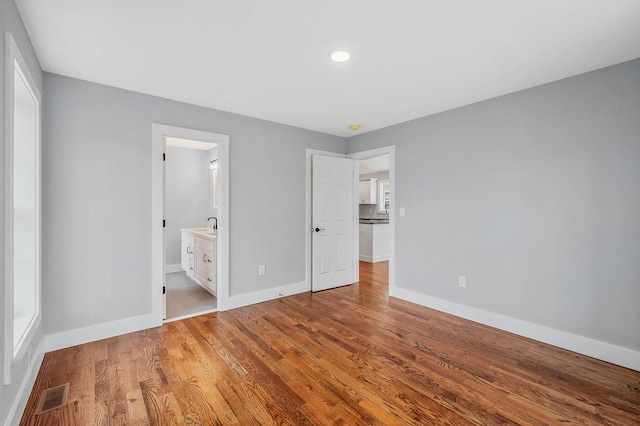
(215, 221)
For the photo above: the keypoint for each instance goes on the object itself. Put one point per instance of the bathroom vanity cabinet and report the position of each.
(187, 254)
(199, 254)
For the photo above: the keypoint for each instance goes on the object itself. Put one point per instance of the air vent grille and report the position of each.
(53, 398)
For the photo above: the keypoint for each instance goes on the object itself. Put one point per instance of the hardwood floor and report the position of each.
(349, 356)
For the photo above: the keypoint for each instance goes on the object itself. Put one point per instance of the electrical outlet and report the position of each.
(262, 270)
(403, 212)
(462, 281)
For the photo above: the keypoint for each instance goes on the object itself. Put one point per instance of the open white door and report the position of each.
(332, 222)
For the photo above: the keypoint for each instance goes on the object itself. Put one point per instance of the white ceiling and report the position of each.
(270, 59)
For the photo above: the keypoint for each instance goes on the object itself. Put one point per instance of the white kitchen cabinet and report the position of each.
(374, 242)
(368, 191)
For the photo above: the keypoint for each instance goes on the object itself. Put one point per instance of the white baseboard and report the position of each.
(20, 402)
(594, 348)
(170, 269)
(83, 335)
(92, 333)
(370, 259)
(264, 295)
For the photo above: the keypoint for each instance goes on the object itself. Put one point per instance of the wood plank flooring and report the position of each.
(348, 356)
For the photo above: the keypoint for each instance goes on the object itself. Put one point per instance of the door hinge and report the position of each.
(164, 157)
(164, 223)
(164, 289)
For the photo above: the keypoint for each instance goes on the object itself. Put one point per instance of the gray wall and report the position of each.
(10, 21)
(535, 197)
(97, 199)
(188, 181)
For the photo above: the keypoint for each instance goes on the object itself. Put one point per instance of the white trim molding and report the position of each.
(170, 269)
(83, 335)
(583, 345)
(266, 295)
(370, 259)
(16, 410)
(15, 65)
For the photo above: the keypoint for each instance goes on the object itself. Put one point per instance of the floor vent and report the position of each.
(53, 398)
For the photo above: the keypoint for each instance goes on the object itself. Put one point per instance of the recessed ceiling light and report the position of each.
(354, 127)
(340, 55)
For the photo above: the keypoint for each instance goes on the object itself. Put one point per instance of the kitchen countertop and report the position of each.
(373, 221)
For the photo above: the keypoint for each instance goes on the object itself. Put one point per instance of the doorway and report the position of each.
(388, 150)
(190, 204)
(374, 206)
(218, 255)
(377, 210)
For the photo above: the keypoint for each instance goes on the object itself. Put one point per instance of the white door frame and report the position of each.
(159, 132)
(391, 151)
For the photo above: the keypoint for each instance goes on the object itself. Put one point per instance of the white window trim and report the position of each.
(381, 208)
(13, 57)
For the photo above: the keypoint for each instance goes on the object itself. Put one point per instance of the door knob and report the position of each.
(319, 229)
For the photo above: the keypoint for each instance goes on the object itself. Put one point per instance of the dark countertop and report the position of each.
(371, 221)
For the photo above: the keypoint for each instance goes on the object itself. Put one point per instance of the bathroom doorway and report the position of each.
(212, 272)
(191, 169)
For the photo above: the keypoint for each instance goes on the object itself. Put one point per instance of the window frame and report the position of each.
(15, 352)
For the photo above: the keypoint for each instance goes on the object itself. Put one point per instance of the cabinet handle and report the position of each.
(204, 257)
(189, 252)
(209, 279)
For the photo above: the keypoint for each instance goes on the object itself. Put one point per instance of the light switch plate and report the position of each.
(462, 281)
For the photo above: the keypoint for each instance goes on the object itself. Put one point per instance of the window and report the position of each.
(383, 196)
(22, 200)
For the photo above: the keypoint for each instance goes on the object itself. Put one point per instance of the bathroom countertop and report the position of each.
(208, 233)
